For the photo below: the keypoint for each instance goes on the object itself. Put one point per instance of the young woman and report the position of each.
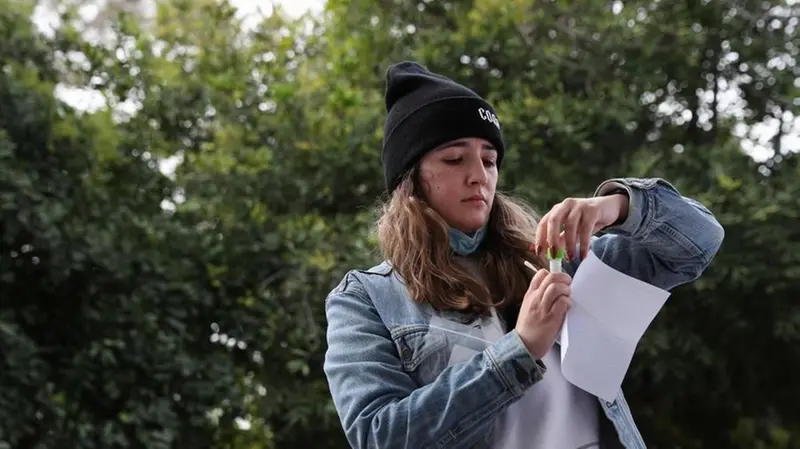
(452, 341)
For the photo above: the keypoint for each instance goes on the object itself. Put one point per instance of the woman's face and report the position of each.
(459, 180)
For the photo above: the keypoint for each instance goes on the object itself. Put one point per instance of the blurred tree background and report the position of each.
(164, 257)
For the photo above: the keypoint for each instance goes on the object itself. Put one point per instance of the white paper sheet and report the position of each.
(610, 313)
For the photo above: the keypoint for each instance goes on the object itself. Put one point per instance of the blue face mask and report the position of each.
(463, 244)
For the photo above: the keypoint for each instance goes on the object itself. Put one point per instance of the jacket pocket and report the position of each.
(423, 354)
(428, 349)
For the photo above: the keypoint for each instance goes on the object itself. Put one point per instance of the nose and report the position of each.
(477, 172)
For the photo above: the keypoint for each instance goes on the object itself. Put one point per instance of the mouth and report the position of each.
(475, 199)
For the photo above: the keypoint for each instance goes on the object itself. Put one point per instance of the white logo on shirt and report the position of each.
(489, 117)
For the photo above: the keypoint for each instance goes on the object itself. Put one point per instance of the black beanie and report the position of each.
(425, 110)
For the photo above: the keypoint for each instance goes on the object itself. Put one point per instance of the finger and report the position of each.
(559, 278)
(541, 234)
(536, 281)
(554, 222)
(561, 306)
(557, 217)
(587, 230)
(554, 278)
(552, 293)
(573, 227)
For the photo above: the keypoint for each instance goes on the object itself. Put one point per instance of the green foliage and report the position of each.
(143, 309)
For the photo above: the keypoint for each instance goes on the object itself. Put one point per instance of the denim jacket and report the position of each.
(391, 384)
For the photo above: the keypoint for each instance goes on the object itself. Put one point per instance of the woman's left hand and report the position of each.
(576, 220)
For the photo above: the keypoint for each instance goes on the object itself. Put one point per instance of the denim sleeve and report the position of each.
(666, 240)
(380, 406)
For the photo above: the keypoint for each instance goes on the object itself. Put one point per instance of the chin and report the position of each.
(472, 225)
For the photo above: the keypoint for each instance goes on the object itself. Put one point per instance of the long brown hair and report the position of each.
(414, 239)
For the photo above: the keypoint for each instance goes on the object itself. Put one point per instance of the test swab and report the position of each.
(530, 265)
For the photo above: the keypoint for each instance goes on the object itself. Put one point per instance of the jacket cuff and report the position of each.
(636, 204)
(511, 360)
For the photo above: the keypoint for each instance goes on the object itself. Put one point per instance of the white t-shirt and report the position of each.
(553, 413)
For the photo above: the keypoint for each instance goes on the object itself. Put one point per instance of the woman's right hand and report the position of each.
(543, 310)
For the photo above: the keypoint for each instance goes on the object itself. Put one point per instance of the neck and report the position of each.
(465, 244)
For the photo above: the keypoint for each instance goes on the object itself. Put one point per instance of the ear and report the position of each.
(419, 185)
